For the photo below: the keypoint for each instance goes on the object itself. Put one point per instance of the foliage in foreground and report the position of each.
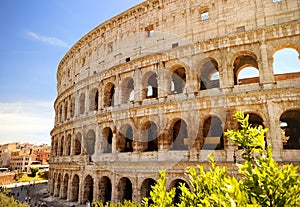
(10, 201)
(263, 183)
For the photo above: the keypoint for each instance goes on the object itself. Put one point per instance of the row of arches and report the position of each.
(175, 80)
(149, 137)
(68, 187)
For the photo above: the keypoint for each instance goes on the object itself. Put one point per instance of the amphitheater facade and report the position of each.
(156, 86)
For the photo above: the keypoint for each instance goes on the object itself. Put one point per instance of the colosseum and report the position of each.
(156, 86)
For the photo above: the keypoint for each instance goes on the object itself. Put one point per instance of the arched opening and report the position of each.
(109, 95)
(107, 140)
(255, 121)
(88, 189)
(52, 183)
(213, 134)
(74, 189)
(209, 74)
(90, 142)
(61, 114)
(77, 144)
(150, 85)
(55, 147)
(290, 125)
(247, 61)
(125, 139)
(150, 136)
(66, 110)
(105, 189)
(68, 145)
(147, 187)
(124, 189)
(82, 103)
(65, 187)
(286, 64)
(58, 183)
(178, 80)
(176, 184)
(72, 110)
(180, 135)
(94, 99)
(62, 144)
(127, 90)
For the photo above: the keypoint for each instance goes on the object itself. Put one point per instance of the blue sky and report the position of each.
(35, 35)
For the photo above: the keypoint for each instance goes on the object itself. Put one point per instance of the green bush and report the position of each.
(263, 183)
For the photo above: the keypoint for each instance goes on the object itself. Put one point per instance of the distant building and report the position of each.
(16, 156)
(5, 152)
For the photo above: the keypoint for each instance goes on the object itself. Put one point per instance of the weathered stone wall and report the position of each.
(156, 86)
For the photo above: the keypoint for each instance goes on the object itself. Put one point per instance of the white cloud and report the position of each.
(26, 122)
(48, 40)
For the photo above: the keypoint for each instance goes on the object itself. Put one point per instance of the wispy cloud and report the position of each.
(48, 40)
(26, 122)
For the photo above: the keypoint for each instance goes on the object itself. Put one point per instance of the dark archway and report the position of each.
(176, 184)
(150, 136)
(90, 142)
(74, 189)
(124, 189)
(213, 134)
(107, 140)
(88, 189)
(179, 135)
(178, 80)
(290, 125)
(147, 187)
(105, 189)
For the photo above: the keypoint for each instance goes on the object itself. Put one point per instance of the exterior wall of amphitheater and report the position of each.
(156, 86)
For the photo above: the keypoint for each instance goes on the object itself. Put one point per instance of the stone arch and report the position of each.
(55, 148)
(72, 108)
(178, 79)
(127, 90)
(146, 187)
(179, 135)
(68, 145)
(242, 61)
(66, 110)
(90, 142)
(65, 187)
(286, 63)
(61, 146)
(290, 125)
(82, 103)
(209, 74)
(150, 85)
(125, 139)
(77, 144)
(124, 189)
(105, 189)
(60, 113)
(109, 94)
(74, 191)
(94, 99)
(107, 135)
(213, 134)
(88, 190)
(176, 184)
(53, 180)
(58, 185)
(150, 136)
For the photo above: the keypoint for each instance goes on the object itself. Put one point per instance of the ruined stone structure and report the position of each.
(156, 86)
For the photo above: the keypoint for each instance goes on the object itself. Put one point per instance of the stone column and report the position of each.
(163, 81)
(138, 87)
(266, 72)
